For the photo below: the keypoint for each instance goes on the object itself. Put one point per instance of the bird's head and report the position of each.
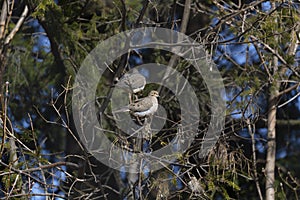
(153, 93)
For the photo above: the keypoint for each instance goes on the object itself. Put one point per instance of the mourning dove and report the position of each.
(146, 106)
(143, 107)
(133, 82)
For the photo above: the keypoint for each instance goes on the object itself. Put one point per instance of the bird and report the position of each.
(143, 107)
(132, 82)
(146, 106)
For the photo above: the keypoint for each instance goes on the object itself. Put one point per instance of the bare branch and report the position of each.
(3, 18)
(251, 130)
(18, 25)
(142, 13)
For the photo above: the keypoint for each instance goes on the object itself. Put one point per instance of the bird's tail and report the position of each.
(121, 110)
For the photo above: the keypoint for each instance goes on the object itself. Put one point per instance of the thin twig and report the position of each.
(254, 164)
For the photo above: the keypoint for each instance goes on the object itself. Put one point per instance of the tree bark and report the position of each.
(271, 148)
(271, 138)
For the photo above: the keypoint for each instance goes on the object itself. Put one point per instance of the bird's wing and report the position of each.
(141, 105)
(137, 81)
(124, 81)
(132, 81)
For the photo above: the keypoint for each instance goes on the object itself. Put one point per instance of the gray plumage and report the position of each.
(133, 82)
(143, 107)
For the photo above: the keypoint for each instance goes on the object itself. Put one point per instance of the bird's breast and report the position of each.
(148, 112)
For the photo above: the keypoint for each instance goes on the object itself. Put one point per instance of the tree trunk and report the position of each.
(271, 151)
(271, 138)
